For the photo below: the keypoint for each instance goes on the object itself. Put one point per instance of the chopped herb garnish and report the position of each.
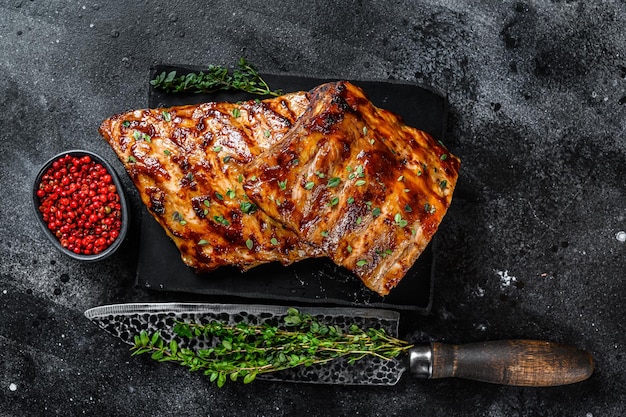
(132, 159)
(136, 135)
(443, 156)
(400, 221)
(274, 241)
(249, 243)
(349, 249)
(365, 130)
(333, 182)
(350, 200)
(309, 185)
(177, 217)
(219, 196)
(401, 178)
(207, 203)
(231, 193)
(166, 152)
(324, 233)
(221, 220)
(361, 262)
(266, 133)
(376, 212)
(320, 174)
(372, 141)
(226, 159)
(359, 183)
(443, 184)
(359, 220)
(203, 242)
(125, 123)
(282, 184)
(428, 208)
(217, 148)
(248, 207)
(240, 178)
(166, 116)
(334, 201)
(408, 208)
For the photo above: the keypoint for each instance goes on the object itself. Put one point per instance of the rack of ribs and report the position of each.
(322, 173)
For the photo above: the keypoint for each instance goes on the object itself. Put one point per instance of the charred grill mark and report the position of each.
(201, 205)
(156, 198)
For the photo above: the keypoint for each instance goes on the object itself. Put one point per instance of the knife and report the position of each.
(508, 362)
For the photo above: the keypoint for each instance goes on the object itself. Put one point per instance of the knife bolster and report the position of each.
(420, 361)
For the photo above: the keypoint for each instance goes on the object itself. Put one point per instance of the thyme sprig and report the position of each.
(246, 350)
(216, 78)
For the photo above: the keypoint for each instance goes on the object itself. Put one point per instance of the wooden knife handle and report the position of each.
(512, 362)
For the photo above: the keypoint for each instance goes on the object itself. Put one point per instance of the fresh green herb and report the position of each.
(231, 193)
(309, 185)
(376, 212)
(240, 178)
(407, 208)
(132, 159)
(248, 207)
(333, 182)
(207, 203)
(243, 351)
(274, 241)
(236, 112)
(324, 233)
(249, 244)
(320, 174)
(349, 249)
(334, 201)
(443, 156)
(126, 123)
(359, 183)
(216, 78)
(217, 149)
(430, 209)
(203, 242)
(219, 196)
(361, 262)
(177, 217)
(400, 221)
(166, 116)
(443, 184)
(365, 130)
(166, 152)
(359, 220)
(226, 159)
(350, 200)
(401, 178)
(266, 133)
(136, 135)
(221, 220)
(282, 184)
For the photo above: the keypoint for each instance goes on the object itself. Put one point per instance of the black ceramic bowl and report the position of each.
(94, 207)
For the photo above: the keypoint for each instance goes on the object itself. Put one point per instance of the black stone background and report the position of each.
(530, 247)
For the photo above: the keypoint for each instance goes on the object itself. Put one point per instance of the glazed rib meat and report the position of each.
(187, 164)
(357, 183)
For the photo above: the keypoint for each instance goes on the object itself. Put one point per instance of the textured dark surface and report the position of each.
(533, 246)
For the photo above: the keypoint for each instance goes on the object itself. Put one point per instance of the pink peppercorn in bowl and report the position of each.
(80, 204)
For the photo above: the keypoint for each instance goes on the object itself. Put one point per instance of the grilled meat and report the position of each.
(356, 182)
(187, 164)
(323, 173)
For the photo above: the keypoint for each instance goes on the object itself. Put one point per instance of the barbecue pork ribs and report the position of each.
(321, 173)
